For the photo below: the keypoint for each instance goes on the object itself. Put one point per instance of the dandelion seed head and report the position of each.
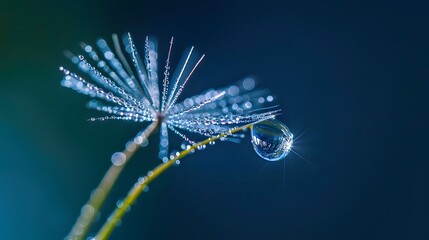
(125, 86)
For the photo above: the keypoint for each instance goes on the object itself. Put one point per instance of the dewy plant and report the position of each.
(128, 88)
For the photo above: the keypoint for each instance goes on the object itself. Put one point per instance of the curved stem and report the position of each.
(138, 187)
(90, 209)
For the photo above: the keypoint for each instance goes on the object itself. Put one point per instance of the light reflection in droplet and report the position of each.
(271, 140)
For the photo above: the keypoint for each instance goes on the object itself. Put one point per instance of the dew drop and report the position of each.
(272, 140)
(142, 180)
(174, 154)
(248, 84)
(119, 203)
(130, 146)
(201, 147)
(87, 211)
(118, 158)
(138, 140)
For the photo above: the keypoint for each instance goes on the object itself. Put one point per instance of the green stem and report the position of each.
(138, 187)
(90, 209)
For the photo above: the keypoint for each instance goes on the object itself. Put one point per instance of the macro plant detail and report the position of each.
(129, 88)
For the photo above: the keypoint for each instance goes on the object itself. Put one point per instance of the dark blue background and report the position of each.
(354, 74)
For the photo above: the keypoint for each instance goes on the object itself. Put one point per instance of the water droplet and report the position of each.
(119, 203)
(138, 140)
(271, 139)
(174, 154)
(145, 142)
(201, 147)
(87, 211)
(248, 84)
(130, 146)
(143, 179)
(118, 158)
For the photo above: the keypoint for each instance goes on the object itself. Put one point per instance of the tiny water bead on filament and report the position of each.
(271, 139)
(123, 86)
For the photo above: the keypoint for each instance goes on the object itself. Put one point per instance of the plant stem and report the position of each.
(90, 209)
(138, 187)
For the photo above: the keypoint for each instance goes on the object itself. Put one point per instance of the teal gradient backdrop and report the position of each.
(354, 73)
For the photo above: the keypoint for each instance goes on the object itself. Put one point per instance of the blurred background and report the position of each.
(351, 76)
